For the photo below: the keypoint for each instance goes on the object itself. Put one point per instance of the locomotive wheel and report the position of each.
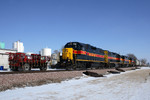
(26, 67)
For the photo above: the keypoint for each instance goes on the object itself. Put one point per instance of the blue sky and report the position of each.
(121, 26)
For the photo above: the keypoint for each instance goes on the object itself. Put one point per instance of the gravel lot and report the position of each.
(9, 81)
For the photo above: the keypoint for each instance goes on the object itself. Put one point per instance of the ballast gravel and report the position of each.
(10, 81)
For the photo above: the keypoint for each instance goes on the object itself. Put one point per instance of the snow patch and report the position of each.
(111, 87)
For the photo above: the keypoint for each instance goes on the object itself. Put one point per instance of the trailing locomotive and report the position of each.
(80, 55)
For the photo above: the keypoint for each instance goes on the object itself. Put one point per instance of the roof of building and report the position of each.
(8, 49)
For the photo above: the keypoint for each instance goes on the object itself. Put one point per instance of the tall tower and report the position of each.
(18, 46)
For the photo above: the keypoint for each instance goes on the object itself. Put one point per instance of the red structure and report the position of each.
(23, 62)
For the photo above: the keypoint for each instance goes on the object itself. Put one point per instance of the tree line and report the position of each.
(143, 60)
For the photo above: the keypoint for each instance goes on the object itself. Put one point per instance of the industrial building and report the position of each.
(4, 53)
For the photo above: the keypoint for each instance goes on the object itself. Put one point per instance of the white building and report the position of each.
(18, 46)
(4, 57)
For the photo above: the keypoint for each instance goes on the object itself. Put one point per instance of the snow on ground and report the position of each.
(6, 70)
(131, 85)
(33, 69)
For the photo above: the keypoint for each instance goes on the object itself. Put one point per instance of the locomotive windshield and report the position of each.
(73, 45)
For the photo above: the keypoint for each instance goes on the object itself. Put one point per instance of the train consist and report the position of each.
(75, 55)
(79, 55)
(23, 62)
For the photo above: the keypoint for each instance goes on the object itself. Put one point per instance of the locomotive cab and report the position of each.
(67, 54)
(69, 51)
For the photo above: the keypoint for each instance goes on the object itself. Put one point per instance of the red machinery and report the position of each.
(23, 62)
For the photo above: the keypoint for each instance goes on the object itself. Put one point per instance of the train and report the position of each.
(76, 55)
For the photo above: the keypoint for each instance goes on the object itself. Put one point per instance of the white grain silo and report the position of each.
(18, 46)
(45, 52)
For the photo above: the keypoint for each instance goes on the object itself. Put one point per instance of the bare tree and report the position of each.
(143, 61)
(62, 47)
(56, 51)
(148, 64)
(132, 56)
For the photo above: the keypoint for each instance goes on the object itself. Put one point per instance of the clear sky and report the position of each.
(121, 26)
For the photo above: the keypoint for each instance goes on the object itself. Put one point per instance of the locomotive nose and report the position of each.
(67, 54)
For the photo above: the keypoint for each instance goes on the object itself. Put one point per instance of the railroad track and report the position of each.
(24, 72)
(38, 71)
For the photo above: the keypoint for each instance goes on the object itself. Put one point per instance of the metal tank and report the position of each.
(2, 45)
(46, 52)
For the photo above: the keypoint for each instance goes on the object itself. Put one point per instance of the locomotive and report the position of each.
(79, 55)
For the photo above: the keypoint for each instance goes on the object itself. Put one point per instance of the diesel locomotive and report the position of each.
(79, 55)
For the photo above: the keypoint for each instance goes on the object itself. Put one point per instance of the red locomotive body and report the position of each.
(23, 62)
